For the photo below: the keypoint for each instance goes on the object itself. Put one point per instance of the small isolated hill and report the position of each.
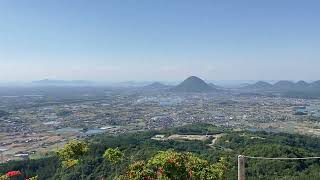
(302, 84)
(259, 85)
(315, 84)
(156, 86)
(193, 84)
(284, 85)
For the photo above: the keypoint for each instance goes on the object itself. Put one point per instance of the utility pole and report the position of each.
(2, 155)
(241, 168)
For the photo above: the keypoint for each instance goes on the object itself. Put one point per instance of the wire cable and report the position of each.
(281, 158)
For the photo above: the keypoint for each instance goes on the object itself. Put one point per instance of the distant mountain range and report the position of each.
(157, 86)
(283, 85)
(259, 85)
(194, 84)
(46, 82)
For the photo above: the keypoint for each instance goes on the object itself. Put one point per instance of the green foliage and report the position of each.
(139, 148)
(137, 171)
(44, 167)
(173, 165)
(114, 155)
(34, 178)
(68, 163)
(4, 177)
(198, 129)
(72, 152)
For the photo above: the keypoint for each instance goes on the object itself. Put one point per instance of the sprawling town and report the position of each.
(34, 125)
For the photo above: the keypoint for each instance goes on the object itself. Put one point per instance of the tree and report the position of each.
(4, 177)
(173, 165)
(33, 178)
(114, 155)
(72, 153)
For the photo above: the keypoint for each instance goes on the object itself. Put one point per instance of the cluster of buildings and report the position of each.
(40, 124)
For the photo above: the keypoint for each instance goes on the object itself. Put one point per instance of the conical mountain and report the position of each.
(193, 84)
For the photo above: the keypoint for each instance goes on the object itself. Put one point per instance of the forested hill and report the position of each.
(135, 147)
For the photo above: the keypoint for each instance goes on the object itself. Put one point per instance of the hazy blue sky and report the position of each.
(120, 40)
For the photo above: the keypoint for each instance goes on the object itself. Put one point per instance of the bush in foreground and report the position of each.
(173, 165)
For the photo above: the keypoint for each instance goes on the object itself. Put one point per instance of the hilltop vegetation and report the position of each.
(139, 149)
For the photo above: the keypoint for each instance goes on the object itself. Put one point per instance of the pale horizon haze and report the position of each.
(165, 40)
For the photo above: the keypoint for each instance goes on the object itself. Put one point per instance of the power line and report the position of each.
(241, 162)
(281, 158)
